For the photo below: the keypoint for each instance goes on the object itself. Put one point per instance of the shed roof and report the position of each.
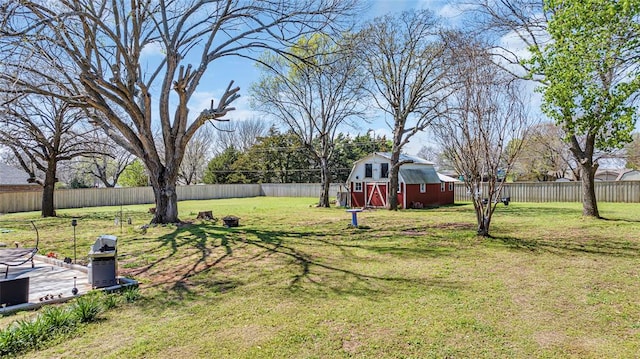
(422, 175)
(12, 176)
(405, 157)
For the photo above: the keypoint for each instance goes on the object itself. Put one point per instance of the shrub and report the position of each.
(87, 308)
(131, 294)
(8, 341)
(59, 319)
(110, 301)
(55, 322)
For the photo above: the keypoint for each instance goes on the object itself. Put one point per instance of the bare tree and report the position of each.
(545, 155)
(486, 114)
(240, 134)
(632, 152)
(101, 44)
(41, 132)
(196, 156)
(314, 97)
(111, 161)
(405, 60)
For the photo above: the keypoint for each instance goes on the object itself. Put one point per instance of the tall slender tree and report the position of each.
(404, 57)
(314, 96)
(480, 131)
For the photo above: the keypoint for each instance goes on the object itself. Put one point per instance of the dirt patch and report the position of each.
(549, 339)
(351, 346)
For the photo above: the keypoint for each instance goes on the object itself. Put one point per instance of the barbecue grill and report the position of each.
(102, 262)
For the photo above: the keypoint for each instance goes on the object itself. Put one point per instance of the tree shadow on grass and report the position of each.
(323, 275)
(595, 246)
(196, 249)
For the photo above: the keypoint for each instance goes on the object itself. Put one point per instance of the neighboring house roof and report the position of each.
(445, 178)
(629, 175)
(12, 176)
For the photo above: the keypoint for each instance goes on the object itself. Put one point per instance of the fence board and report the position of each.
(622, 191)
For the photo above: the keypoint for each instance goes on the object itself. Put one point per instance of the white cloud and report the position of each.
(152, 50)
(453, 12)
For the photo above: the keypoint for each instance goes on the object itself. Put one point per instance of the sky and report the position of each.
(244, 73)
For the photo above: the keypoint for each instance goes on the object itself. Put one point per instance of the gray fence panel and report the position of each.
(622, 191)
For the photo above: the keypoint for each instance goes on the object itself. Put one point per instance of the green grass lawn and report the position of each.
(294, 281)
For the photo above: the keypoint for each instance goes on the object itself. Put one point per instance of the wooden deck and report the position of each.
(50, 281)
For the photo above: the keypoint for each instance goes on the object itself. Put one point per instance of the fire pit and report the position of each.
(231, 221)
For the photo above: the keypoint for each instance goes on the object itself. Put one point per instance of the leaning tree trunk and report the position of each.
(166, 198)
(589, 201)
(325, 180)
(48, 188)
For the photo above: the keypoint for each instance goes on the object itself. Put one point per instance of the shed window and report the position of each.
(442, 187)
(423, 187)
(368, 170)
(357, 187)
(384, 170)
(450, 186)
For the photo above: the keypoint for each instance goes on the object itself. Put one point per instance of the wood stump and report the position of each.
(205, 215)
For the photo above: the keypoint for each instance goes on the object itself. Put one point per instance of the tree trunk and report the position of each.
(484, 222)
(392, 200)
(325, 181)
(589, 201)
(48, 205)
(164, 190)
(588, 169)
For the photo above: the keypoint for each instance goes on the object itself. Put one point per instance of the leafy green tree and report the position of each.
(590, 77)
(134, 175)
(220, 169)
(277, 158)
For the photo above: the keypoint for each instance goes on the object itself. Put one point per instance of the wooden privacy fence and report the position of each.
(619, 191)
(94, 197)
(622, 191)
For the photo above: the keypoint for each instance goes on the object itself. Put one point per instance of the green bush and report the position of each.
(110, 301)
(87, 308)
(8, 341)
(131, 294)
(59, 319)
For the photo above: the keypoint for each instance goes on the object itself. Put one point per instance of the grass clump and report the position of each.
(56, 322)
(86, 308)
